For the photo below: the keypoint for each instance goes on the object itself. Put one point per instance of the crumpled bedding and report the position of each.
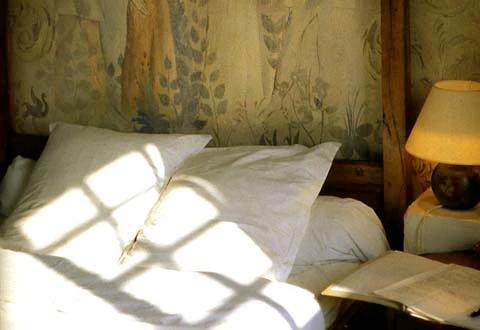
(39, 291)
(340, 229)
(47, 292)
(342, 233)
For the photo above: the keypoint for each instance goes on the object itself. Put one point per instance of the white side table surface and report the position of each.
(430, 228)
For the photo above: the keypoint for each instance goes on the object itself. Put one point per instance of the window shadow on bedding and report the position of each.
(112, 290)
(109, 291)
(104, 213)
(246, 292)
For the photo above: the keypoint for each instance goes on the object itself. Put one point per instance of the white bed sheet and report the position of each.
(342, 233)
(52, 305)
(46, 292)
(55, 294)
(317, 278)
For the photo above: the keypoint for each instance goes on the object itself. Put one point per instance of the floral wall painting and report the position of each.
(247, 72)
(445, 44)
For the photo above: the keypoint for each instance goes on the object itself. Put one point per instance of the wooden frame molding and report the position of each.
(395, 41)
(357, 179)
(4, 95)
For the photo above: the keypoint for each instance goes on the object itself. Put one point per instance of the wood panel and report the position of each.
(26, 145)
(395, 39)
(463, 258)
(3, 87)
(359, 180)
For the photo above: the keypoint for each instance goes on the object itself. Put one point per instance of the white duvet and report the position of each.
(47, 292)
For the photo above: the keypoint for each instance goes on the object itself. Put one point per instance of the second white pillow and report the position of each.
(239, 211)
(14, 182)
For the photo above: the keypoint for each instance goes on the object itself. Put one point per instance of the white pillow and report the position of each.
(92, 189)
(14, 182)
(239, 211)
(340, 230)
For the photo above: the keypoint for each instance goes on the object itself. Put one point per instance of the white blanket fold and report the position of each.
(38, 291)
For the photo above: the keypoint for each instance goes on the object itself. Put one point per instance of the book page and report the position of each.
(448, 295)
(376, 274)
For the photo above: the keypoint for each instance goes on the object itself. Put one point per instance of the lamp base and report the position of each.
(456, 186)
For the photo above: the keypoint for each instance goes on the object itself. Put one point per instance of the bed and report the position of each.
(237, 231)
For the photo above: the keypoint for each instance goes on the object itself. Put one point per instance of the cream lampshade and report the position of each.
(448, 131)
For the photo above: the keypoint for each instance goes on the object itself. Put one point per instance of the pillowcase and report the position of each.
(92, 189)
(14, 182)
(342, 233)
(340, 230)
(238, 211)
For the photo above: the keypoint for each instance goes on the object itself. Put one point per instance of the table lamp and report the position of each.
(447, 131)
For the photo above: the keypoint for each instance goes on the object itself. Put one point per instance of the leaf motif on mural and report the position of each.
(273, 37)
(167, 63)
(164, 81)
(149, 124)
(264, 140)
(372, 49)
(449, 8)
(204, 93)
(302, 101)
(198, 102)
(222, 107)
(445, 45)
(111, 70)
(83, 7)
(214, 76)
(165, 100)
(220, 91)
(194, 35)
(199, 124)
(141, 6)
(207, 109)
(354, 134)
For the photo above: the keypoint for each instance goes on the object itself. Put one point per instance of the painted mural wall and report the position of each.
(247, 72)
(445, 44)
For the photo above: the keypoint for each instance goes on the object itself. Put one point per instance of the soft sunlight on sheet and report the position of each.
(154, 156)
(184, 203)
(343, 289)
(108, 202)
(192, 235)
(305, 312)
(231, 245)
(72, 198)
(111, 192)
(205, 292)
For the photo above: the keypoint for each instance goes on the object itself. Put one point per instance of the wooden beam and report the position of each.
(395, 40)
(356, 179)
(3, 87)
(357, 173)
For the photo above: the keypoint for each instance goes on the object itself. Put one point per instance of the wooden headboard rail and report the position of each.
(383, 186)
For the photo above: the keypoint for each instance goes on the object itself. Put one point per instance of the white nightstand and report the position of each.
(430, 228)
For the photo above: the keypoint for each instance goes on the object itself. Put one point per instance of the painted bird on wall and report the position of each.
(39, 106)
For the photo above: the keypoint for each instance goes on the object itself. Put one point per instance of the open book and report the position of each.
(420, 286)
